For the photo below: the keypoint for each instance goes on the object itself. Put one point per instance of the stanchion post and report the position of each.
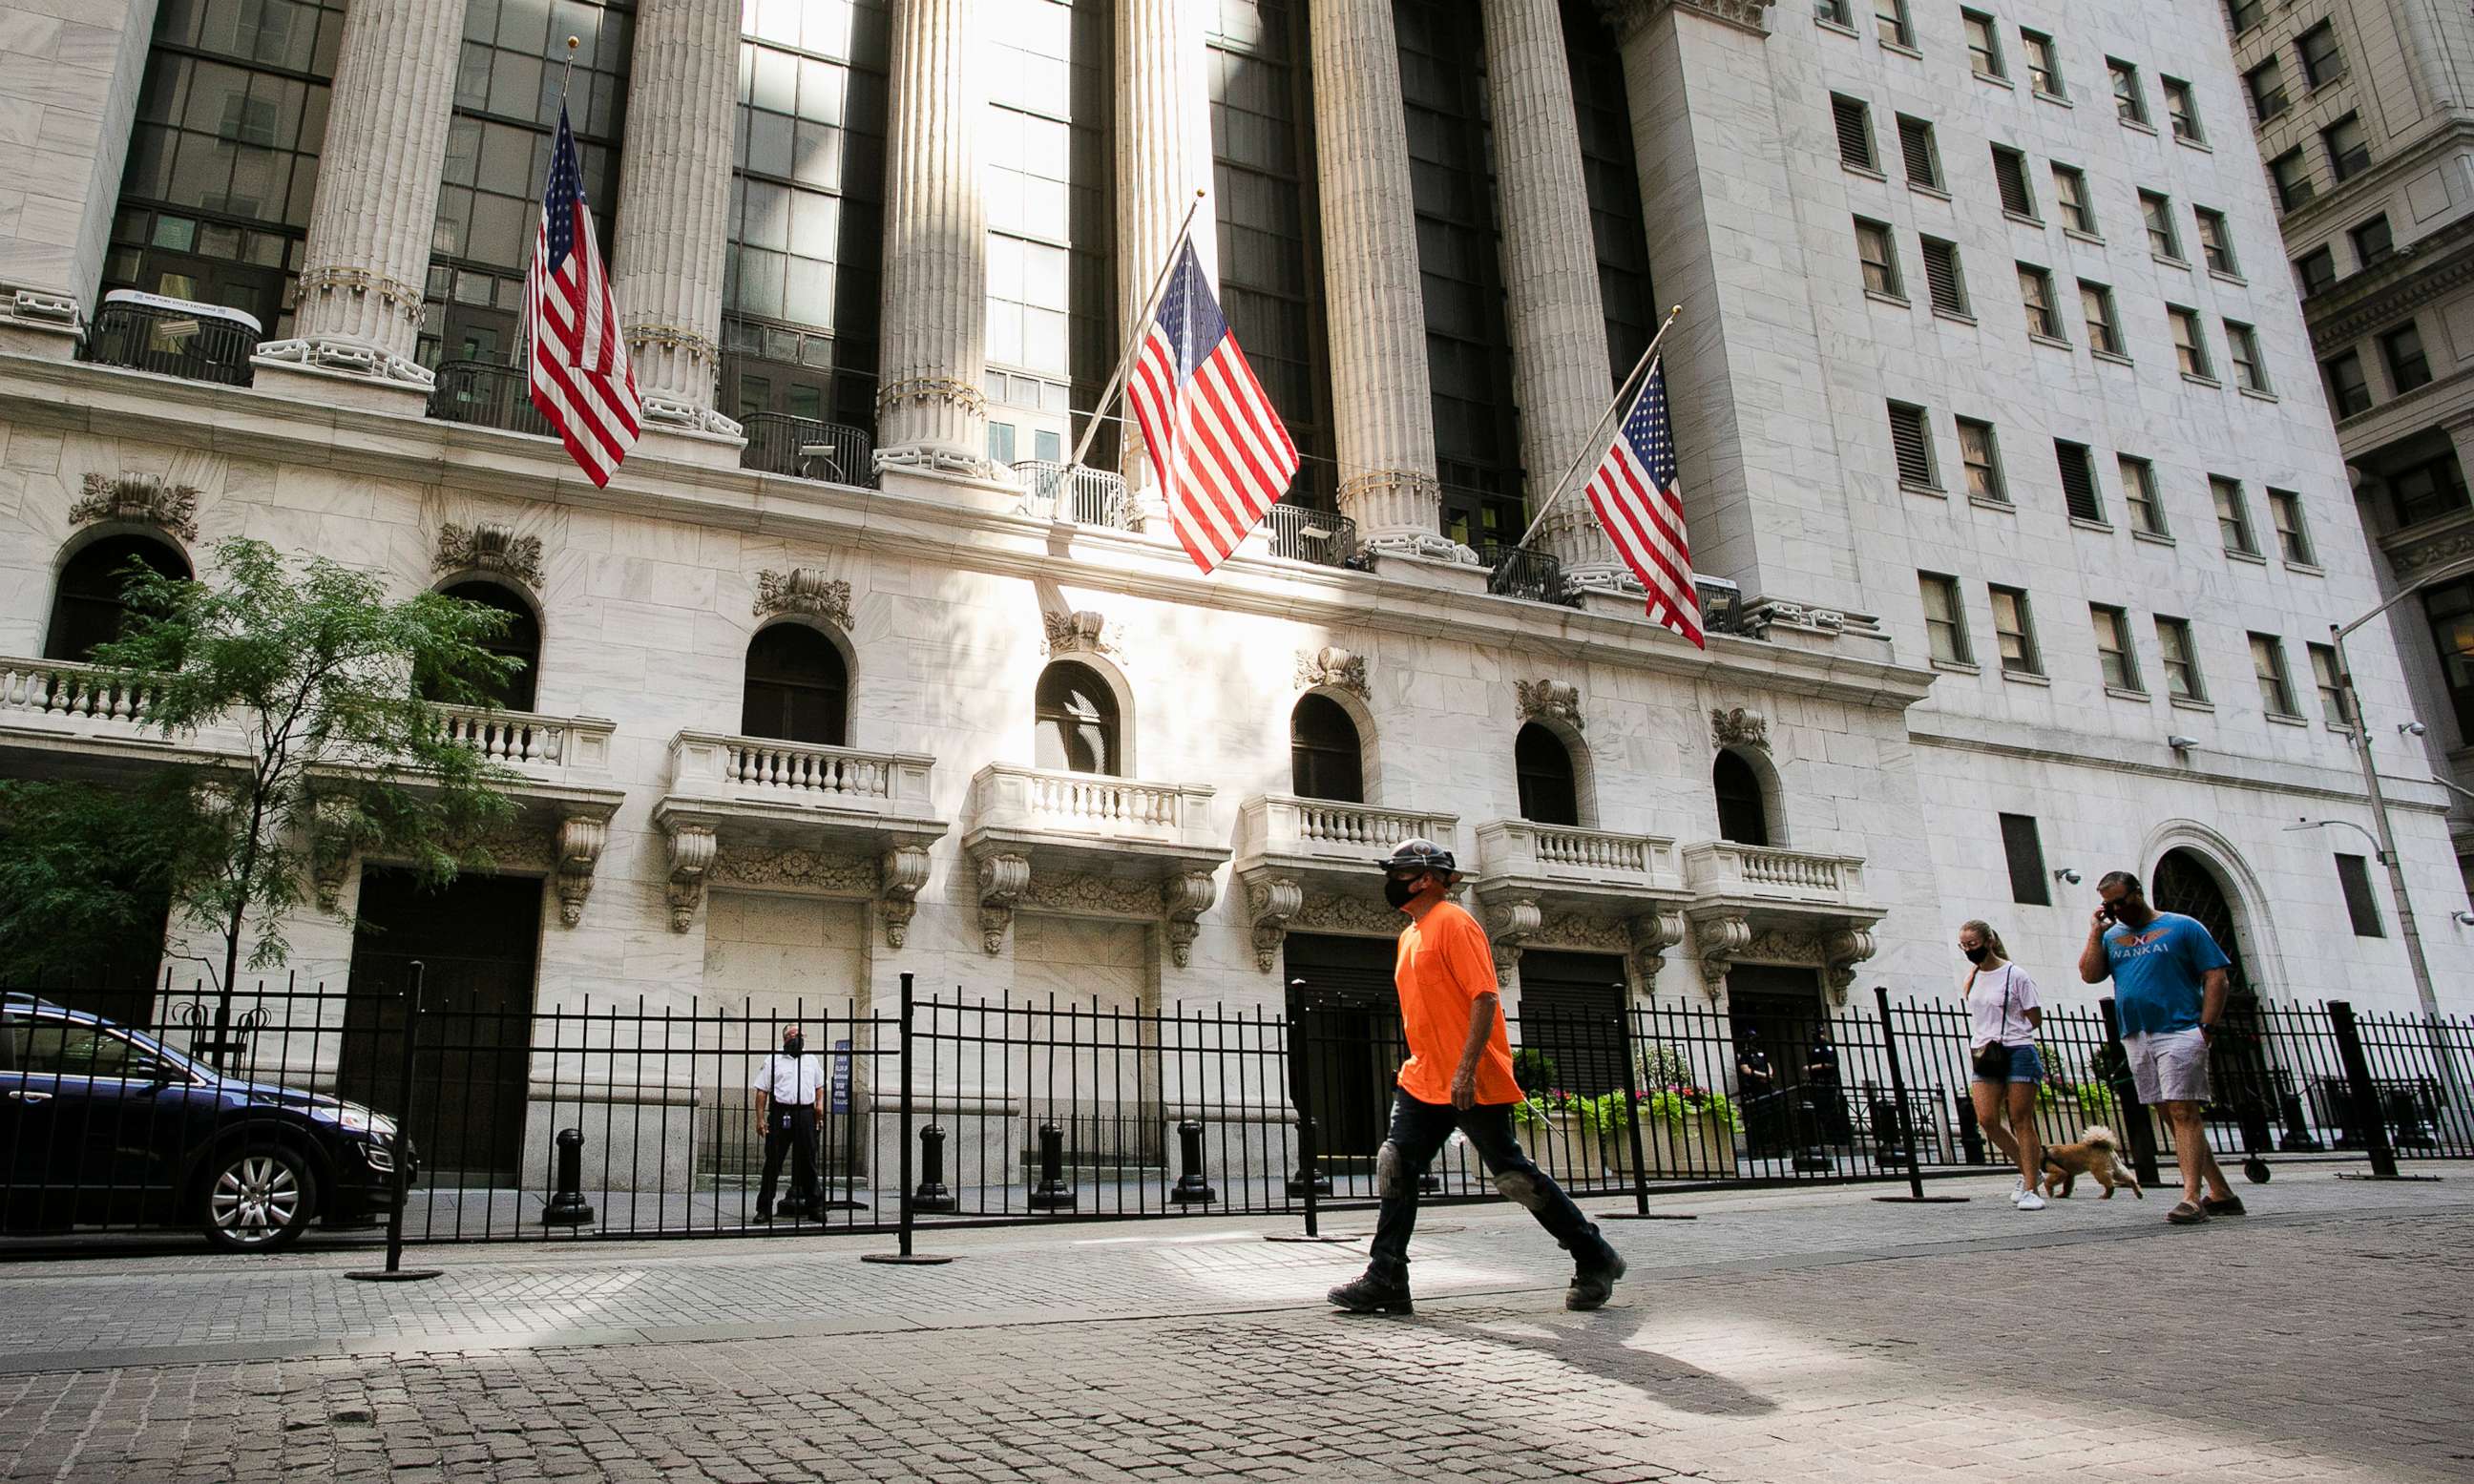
(1309, 1178)
(400, 1150)
(902, 1192)
(2369, 1117)
(1632, 1119)
(1902, 1116)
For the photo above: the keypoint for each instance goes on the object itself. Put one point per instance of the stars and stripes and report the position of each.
(1218, 450)
(1635, 494)
(580, 376)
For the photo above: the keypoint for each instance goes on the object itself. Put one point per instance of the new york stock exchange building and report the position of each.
(2019, 527)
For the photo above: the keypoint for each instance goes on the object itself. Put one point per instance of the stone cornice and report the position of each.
(2422, 272)
(960, 532)
(2374, 184)
(2285, 780)
(1625, 16)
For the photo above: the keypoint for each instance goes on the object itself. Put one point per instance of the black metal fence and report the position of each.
(173, 340)
(487, 395)
(778, 442)
(177, 1110)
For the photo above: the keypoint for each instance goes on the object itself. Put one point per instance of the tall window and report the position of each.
(2096, 308)
(2139, 493)
(1891, 16)
(798, 690)
(1984, 44)
(2190, 343)
(2349, 391)
(1982, 459)
(1076, 721)
(2036, 292)
(2349, 148)
(2291, 175)
(2241, 348)
(2322, 61)
(2183, 108)
(2024, 852)
(2408, 367)
(2129, 103)
(2233, 515)
(2180, 655)
(2354, 880)
(2450, 610)
(1945, 620)
(1612, 174)
(2010, 178)
(1942, 277)
(2266, 84)
(2244, 14)
(223, 161)
(1916, 148)
(2014, 631)
(2162, 239)
(2276, 686)
(520, 640)
(1853, 119)
(1549, 793)
(2044, 63)
(2374, 243)
(2079, 493)
(2070, 192)
(1743, 815)
(1911, 446)
(2216, 240)
(2323, 675)
(1325, 760)
(2114, 654)
(1879, 258)
(2316, 271)
(87, 608)
(2428, 490)
(1834, 11)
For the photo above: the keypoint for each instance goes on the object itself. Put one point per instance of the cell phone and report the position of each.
(2104, 910)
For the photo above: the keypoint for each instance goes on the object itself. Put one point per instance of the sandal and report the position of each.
(2185, 1214)
(2230, 1206)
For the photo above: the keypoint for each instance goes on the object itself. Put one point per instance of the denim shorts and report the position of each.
(2025, 1066)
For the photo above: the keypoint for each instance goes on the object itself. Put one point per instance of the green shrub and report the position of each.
(1533, 1069)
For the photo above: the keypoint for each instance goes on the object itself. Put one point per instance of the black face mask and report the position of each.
(1396, 891)
(1975, 955)
(792, 1045)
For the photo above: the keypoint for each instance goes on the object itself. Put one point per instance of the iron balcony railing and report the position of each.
(196, 342)
(1302, 533)
(807, 449)
(1519, 572)
(487, 395)
(1084, 495)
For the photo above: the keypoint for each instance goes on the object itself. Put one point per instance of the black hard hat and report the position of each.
(1422, 855)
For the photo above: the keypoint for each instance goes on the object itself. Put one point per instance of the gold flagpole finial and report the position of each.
(567, 75)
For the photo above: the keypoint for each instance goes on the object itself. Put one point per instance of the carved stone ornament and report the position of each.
(581, 840)
(1082, 631)
(1183, 898)
(795, 870)
(1510, 925)
(1082, 895)
(1002, 879)
(1720, 940)
(805, 590)
(1271, 903)
(489, 547)
(692, 847)
(1364, 916)
(1840, 952)
(1333, 668)
(1582, 930)
(1549, 700)
(148, 500)
(1777, 946)
(1652, 934)
(2444, 549)
(1628, 15)
(904, 870)
(514, 842)
(1737, 727)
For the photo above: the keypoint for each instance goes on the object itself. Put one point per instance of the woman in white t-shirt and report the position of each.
(2002, 1008)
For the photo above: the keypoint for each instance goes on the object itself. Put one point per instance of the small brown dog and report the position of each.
(2097, 1156)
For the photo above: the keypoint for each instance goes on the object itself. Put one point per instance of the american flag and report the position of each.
(581, 380)
(1216, 446)
(1635, 495)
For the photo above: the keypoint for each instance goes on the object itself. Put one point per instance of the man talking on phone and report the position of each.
(2169, 984)
(1458, 1075)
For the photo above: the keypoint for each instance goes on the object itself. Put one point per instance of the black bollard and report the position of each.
(1971, 1134)
(1888, 1152)
(1052, 1194)
(1810, 1158)
(1192, 1189)
(567, 1207)
(932, 1194)
(2296, 1140)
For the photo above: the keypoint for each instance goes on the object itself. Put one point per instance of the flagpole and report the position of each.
(567, 75)
(1598, 430)
(1134, 343)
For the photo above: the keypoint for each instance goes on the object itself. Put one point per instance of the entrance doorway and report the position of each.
(1572, 1009)
(477, 940)
(1350, 1058)
(2187, 883)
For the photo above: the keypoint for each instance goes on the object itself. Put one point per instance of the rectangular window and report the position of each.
(2095, 307)
(2292, 174)
(2139, 493)
(2190, 343)
(1891, 15)
(2408, 367)
(2014, 631)
(2010, 175)
(2241, 345)
(2233, 514)
(1984, 44)
(2181, 658)
(2292, 536)
(2246, 13)
(2349, 391)
(2025, 854)
(2215, 241)
(2349, 148)
(1916, 147)
(1942, 278)
(2267, 661)
(2163, 239)
(2450, 610)
(2036, 292)
(1833, 11)
(2044, 63)
(2332, 695)
(1854, 120)
(2426, 491)
(2266, 84)
(2373, 242)
(2317, 271)
(2183, 108)
(2070, 190)
(2114, 654)
(1001, 444)
(2129, 103)
(2078, 482)
(1881, 259)
(1984, 461)
(2322, 62)
(2354, 877)
(1911, 444)
(1945, 621)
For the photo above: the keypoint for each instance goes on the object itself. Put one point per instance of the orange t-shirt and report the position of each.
(1444, 966)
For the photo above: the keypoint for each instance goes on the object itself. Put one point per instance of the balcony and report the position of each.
(173, 337)
(1082, 844)
(550, 748)
(809, 449)
(58, 715)
(1519, 572)
(1076, 495)
(487, 395)
(774, 816)
(1796, 906)
(1310, 865)
(1551, 886)
(1302, 533)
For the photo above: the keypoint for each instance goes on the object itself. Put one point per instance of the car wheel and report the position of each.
(258, 1198)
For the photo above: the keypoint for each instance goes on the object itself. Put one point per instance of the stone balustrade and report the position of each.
(704, 765)
(61, 691)
(1280, 825)
(1524, 849)
(1726, 868)
(1006, 797)
(530, 741)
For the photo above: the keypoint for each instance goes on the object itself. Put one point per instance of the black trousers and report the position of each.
(792, 1131)
(1418, 1130)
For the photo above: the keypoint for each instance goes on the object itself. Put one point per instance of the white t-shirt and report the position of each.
(790, 1080)
(1992, 1019)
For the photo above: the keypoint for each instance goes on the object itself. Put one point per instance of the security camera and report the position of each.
(2411, 729)
(2067, 876)
(2464, 918)
(2181, 743)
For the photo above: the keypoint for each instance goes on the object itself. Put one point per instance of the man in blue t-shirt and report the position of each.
(2168, 988)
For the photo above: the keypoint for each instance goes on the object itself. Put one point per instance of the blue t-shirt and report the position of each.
(2160, 973)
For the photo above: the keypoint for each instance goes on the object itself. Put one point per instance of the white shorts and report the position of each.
(2170, 1066)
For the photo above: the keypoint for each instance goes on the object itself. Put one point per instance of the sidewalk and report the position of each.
(1809, 1333)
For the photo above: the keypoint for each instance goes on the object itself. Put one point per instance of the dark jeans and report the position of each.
(1418, 1134)
(791, 1130)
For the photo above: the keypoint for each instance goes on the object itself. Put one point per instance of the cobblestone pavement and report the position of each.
(1809, 1334)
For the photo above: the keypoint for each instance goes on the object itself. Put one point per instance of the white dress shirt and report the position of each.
(791, 1082)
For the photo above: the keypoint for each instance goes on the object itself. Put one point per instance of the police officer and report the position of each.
(790, 1098)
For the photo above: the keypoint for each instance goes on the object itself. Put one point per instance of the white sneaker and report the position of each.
(2029, 1200)
(2018, 1188)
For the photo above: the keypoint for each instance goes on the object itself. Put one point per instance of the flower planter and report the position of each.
(1557, 1144)
(1701, 1145)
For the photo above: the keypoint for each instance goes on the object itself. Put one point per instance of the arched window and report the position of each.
(1549, 794)
(1078, 721)
(520, 640)
(1325, 760)
(798, 689)
(88, 609)
(1742, 816)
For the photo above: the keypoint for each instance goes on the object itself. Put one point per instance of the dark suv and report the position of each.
(104, 1125)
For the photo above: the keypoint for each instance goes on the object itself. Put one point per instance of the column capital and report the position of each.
(1629, 15)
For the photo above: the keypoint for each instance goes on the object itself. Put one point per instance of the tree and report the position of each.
(331, 691)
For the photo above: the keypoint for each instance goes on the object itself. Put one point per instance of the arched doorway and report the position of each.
(2186, 883)
(1326, 759)
(1743, 815)
(520, 640)
(1550, 791)
(1075, 714)
(2247, 1088)
(797, 687)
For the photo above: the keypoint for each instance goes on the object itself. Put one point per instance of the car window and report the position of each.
(14, 1031)
(68, 1048)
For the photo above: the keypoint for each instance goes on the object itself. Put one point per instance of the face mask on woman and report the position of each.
(1975, 955)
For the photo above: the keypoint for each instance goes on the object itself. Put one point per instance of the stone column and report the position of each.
(673, 225)
(930, 410)
(1550, 273)
(359, 317)
(1383, 411)
(1163, 157)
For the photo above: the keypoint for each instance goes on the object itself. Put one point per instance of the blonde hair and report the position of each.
(1983, 930)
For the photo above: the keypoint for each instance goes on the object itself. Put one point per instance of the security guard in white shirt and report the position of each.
(790, 1098)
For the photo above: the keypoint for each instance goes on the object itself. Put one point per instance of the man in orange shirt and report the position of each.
(1458, 1075)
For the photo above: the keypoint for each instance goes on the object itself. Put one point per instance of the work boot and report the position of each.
(1373, 1295)
(1594, 1284)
